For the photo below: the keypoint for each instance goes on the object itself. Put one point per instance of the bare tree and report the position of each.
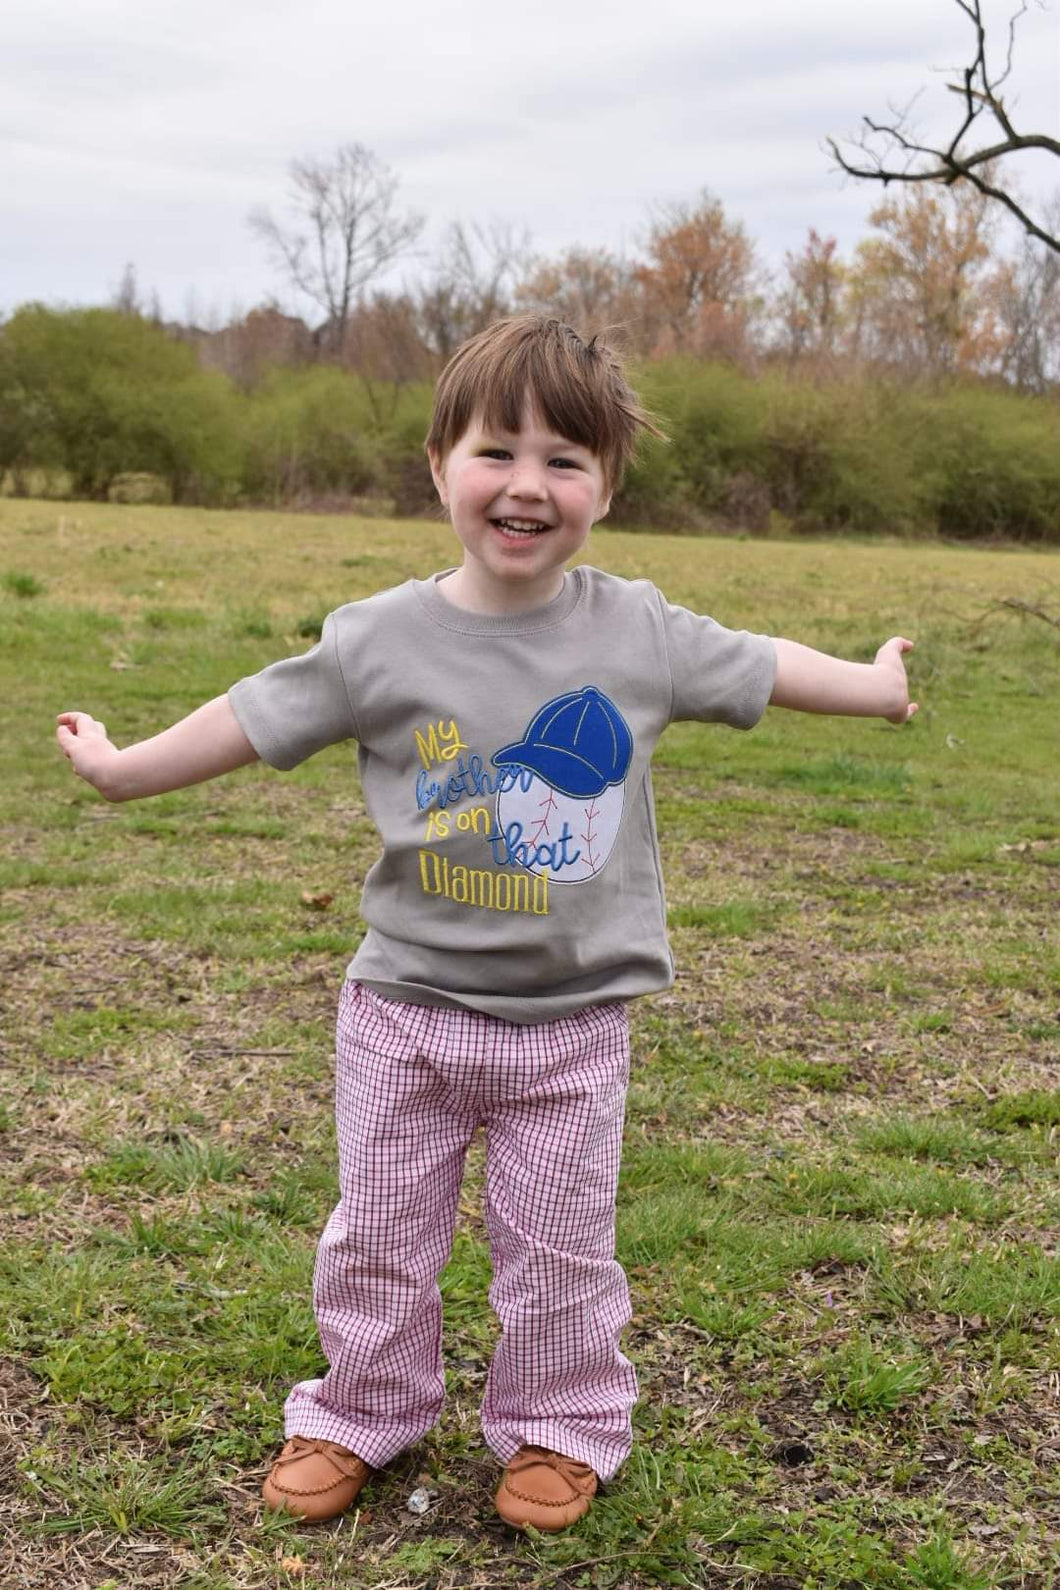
(587, 287)
(809, 307)
(345, 229)
(384, 346)
(249, 346)
(472, 283)
(1024, 296)
(979, 93)
(125, 298)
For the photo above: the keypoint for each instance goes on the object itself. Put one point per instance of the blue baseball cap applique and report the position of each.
(578, 743)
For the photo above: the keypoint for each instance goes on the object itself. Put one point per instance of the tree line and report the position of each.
(928, 296)
(100, 403)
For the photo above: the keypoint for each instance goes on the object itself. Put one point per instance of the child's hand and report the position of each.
(889, 658)
(84, 741)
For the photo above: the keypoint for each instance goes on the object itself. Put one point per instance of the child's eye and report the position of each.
(503, 452)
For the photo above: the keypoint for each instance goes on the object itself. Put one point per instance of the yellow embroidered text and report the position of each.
(441, 744)
(494, 891)
(440, 823)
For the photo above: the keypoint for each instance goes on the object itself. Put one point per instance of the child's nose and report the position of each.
(527, 480)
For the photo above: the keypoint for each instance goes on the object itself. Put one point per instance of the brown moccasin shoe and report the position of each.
(545, 1489)
(314, 1479)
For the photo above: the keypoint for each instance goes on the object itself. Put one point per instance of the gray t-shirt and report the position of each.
(505, 760)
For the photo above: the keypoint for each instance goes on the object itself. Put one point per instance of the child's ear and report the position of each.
(602, 508)
(438, 476)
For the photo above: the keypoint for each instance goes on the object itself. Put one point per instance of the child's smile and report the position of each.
(516, 528)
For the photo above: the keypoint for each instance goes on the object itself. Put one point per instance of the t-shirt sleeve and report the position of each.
(719, 675)
(294, 708)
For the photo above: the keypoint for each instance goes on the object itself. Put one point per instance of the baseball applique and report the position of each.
(547, 811)
(560, 818)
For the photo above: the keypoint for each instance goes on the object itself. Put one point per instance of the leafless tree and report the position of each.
(125, 298)
(979, 93)
(345, 229)
(1024, 296)
(589, 288)
(248, 346)
(384, 346)
(472, 282)
(809, 309)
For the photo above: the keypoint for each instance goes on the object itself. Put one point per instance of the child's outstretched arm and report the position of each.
(812, 681)
(207, 742)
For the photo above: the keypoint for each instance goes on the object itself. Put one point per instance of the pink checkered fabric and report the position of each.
(412, 1083)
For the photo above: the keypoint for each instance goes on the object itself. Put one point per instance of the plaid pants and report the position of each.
(412, 1083)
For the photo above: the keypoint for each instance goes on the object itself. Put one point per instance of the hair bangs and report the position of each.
(577, 388)
(552, 386)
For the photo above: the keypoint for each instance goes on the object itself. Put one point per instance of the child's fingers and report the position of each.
(69, 744)
(80, 723)
(893, 650)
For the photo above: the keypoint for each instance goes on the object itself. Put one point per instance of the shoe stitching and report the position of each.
(566, 1468)
(529, 1496)
(306, 1449)
(527, 1456)
(317, 1490)
(544, 1501)
(292, 1489)
(300, 1448)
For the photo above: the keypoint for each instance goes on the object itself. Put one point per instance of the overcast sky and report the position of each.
(145, 130)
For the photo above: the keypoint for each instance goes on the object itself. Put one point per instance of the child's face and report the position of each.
(522, 504)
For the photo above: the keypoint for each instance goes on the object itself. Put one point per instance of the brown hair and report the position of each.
(579, 388)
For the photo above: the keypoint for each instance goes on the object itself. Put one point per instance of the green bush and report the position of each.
(990, 463)
(714, 416)
(860, 453)
(407, 476)
(307, 435)
(869, 487)
(101, 394)
(655, 491)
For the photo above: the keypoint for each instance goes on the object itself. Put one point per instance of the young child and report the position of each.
(505, 713)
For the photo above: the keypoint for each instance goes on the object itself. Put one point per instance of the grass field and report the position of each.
(839, 1204)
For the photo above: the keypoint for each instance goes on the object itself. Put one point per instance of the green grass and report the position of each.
(20, 584)
(738, 919)
(839, 1194)
(177, 1166)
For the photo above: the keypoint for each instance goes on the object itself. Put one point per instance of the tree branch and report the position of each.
(979, 93)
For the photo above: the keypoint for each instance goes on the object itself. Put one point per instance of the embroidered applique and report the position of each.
(565, 821)
(559, 794)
